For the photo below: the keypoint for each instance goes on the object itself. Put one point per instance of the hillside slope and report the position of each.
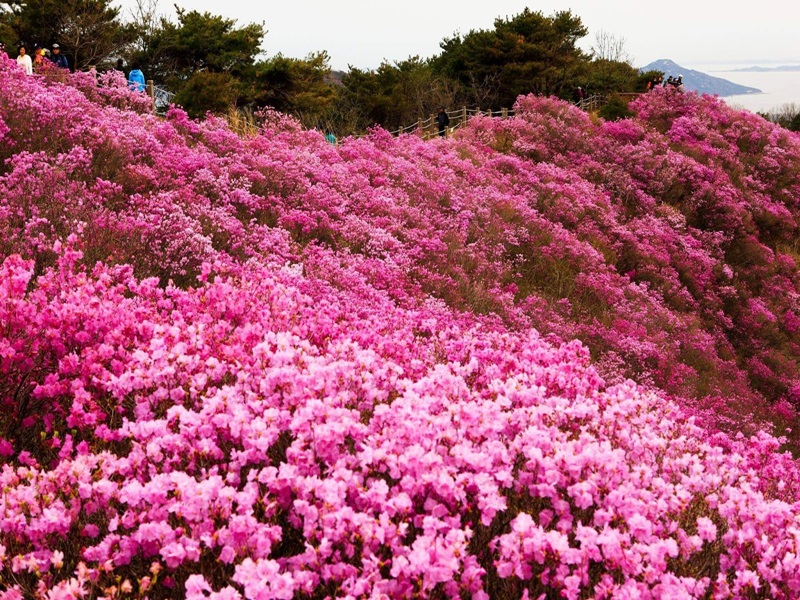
(271, 367)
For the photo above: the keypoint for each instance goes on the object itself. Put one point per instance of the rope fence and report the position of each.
(428, 127)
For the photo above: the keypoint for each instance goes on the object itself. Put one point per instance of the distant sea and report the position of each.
(778, 87)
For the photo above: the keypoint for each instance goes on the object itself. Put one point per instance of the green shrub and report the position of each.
(207, 92)
(615, 109)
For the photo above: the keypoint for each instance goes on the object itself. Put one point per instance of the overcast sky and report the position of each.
(362, 33)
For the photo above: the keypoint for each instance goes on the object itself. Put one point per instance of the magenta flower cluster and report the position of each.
(534, 361)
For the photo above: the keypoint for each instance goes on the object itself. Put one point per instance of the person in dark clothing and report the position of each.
(443, 121)
(57, 58)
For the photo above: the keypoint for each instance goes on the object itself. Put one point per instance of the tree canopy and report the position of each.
(199, 42)
(397, 94)
(527, 53)
(298, 86)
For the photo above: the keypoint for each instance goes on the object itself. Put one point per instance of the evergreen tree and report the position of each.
(302, 87)
(198, 42)
(398, 94)
(528, 53)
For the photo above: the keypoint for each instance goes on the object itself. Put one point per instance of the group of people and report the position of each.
(658, 81)
(40, 55)
(55, 57)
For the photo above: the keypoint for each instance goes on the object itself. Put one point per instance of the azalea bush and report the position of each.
(551, 357)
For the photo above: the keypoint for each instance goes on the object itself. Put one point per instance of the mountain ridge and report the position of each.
(697, 81)
(759, 69)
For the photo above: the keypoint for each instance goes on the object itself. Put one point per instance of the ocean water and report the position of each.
(778, 87)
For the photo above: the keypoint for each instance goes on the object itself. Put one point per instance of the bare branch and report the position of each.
(608, 46)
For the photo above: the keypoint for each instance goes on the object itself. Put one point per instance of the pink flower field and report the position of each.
(551, 357)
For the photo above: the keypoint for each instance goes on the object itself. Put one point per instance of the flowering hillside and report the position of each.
(533, 361)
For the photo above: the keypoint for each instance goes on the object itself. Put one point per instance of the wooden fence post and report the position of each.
(151, 91)
(504, 113)
(463, 115)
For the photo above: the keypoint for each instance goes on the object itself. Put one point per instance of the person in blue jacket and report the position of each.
(136, 78)
(57, 58)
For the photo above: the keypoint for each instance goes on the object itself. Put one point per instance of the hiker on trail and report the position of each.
(136, 78)
(679, 84)
(330, 137)
(670, 81)
(443, 121)
(578, 95)
(24, 61)
(58, 59)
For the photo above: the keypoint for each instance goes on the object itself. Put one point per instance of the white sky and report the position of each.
(362, 33)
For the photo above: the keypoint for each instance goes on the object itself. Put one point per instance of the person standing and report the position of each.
(57, 58)
(38, 59)
(24, 61)
(136, 78)
(443, 121)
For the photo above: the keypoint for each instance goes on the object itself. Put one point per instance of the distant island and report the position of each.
(754, 69)
(697, 81)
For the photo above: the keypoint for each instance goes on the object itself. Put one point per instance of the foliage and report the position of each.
(614, 108)
(787, 115)
(301, 87)
(397, 94)
(199, 42)
(207, 91)
(610, 77)
(527, 53)
(271, 367)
